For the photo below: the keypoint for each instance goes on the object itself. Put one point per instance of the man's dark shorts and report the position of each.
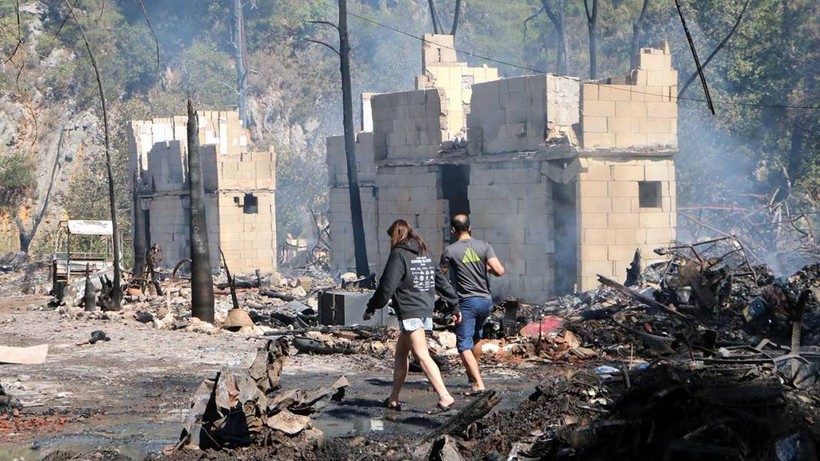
(474, 312)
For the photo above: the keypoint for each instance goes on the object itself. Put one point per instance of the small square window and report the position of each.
(649, 194)
(251, 205)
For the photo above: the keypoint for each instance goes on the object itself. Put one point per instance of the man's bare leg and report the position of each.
(471, 365)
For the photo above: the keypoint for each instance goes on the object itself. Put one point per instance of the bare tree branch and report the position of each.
(695, 57)
(325, 44)
(19, 33)
(456, 16)
(636, 35)
(715, 51)
(434, 16)
(325, 23)
(116, 292)
(156, 41)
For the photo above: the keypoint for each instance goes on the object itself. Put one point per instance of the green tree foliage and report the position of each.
(757, 140)
(16, 181)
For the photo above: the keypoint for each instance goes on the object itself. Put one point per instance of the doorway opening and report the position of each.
(566, 238)
(455, 180)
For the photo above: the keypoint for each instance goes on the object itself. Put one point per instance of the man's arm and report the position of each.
(495, 267)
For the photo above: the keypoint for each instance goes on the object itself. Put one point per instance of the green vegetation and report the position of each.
(16, 181)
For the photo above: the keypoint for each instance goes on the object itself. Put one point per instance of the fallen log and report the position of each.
(322, 329)
(459, 423)
(639, 297)
(273, 294)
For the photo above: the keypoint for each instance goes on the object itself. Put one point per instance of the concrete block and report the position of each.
(622, 124)
(623, 189)
(662, 109)
(626, 220)
(653, 220)
(597, 237)
(652, 93)
(662, 78)
(626, 237)
(627, 172)
(647, 61)
(659, 139)
(598, 108)
(638, 77)
(623, 204)
(627, 140)
(593, 251)
(591, 140)
(589, 92)
(593, 188)
(595, 124)
(593, 220)
(594, 205)
(595, 172)
(596, 266)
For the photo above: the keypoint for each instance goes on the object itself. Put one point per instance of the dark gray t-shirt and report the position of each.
(468, 259)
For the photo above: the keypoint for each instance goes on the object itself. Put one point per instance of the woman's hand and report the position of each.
(368, 314)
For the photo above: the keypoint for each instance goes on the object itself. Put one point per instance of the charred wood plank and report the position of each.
(639, 297)
(274, 294)
(476, 410)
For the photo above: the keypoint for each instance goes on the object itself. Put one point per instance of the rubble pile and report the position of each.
(239, 408)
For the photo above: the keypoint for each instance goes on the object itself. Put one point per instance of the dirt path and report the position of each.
(132, 393)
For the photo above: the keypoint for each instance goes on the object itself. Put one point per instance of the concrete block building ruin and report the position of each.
(239, 188)
(566, 179)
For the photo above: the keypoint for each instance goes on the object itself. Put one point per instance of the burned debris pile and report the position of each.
(239, 408)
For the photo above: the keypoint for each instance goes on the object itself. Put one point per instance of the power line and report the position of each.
(540, 71)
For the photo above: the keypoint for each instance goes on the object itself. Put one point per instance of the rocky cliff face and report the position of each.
(50, 131)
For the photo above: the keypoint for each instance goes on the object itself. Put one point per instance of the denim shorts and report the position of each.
(415, 323)
(474, 312)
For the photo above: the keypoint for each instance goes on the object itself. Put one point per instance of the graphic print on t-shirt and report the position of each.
(470, 256)
(423, 273)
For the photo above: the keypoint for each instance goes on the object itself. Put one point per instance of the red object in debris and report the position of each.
(647, 327)
(548, 324)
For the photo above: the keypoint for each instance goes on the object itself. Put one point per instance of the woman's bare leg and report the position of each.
(400, 366)
(418, 344)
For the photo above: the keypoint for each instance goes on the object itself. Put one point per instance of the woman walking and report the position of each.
(411, 279)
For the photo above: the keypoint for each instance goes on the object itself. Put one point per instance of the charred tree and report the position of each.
(556, 16)
(434, 16)
(241, 58)
(456, 17)
(592, 26)
(362, 268)
(115, 299)
(140, 241)
(637, 27)
(202, 286)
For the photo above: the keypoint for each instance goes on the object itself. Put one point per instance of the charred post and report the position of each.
(202, 288)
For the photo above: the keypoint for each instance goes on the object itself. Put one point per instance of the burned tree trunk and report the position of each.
(140, 242)
(558, 20)
(636, 35)
(202, 287)
(362, 268)
(241, 61)
(592, 25)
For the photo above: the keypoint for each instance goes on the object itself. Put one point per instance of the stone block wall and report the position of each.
(337, 159)
(511, 208)
(441, 69)
(342, 252)
(411, 193)
(639, 111)
(612, 220)
(515, 114)
(409, 124)
(233, 177)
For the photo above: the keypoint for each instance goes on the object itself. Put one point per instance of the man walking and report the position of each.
(472, 261)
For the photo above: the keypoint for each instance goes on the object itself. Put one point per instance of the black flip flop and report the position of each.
(473, 393)
(390, 406)
(441, 409)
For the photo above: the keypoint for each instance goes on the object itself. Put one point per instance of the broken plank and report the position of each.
(639, 297)
(476, 410)
(25, 355)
